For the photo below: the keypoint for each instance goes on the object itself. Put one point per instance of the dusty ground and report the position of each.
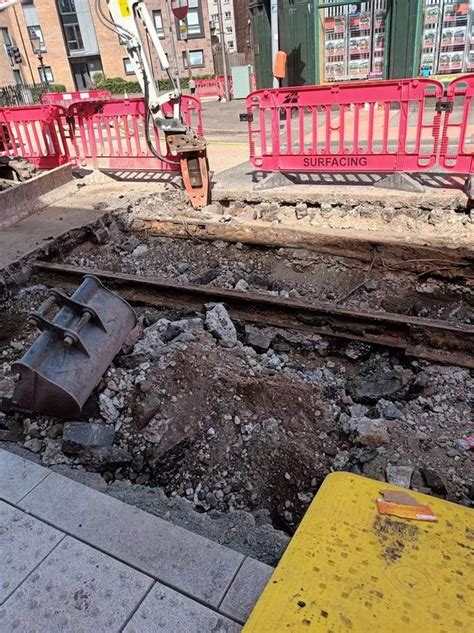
(253, 419)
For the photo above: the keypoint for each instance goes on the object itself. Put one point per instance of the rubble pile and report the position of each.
(230, 428)
(430, 218)
(241, 418)
(281, 272)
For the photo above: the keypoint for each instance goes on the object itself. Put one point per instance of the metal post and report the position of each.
(275, 41)
(44, 78)
(224, 55)
(173, 44)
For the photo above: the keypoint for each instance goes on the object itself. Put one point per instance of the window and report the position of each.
(6, 37)
(230, 44)
(196, 59)
(18, 78)
(46, 74)
(158, 20)
(193, 21)
(228, 29)
(228, 15)
(73, 37)
(215, 17)
(66, 6)
(69, 20)
(127, 64)
(35, 31)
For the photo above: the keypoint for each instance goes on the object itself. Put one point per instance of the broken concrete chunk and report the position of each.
(259, 338)
(386, 384)
(78, 435)
(399, 475)
(140, 250)
(371, 285)
(388, 410)
(103, 458)
(34, 445)
(434, 481)
(182, 267)
(55, 431)
(371, 433)
(219, 323)
(241, 286)
(53, 454)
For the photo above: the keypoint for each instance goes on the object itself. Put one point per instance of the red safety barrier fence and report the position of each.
(107, 135)
(67, 98)
(113, 136)
(457, 137)
(408, 125)
(215, 87)
(212, 87)
(35, 132)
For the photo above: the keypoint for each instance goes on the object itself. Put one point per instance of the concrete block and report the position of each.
(401, 182)
(245, 590)
(272, 181)
(166, 610)
(24, 543)
(188, 562)
(76, 588)
(18, 476)
(77, 435)
(32, 195)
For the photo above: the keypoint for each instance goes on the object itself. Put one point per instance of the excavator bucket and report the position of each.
(192, 153)
(76, 345)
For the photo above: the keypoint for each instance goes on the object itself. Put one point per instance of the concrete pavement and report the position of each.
(76, 560)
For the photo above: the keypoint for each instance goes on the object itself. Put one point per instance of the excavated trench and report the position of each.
(253, 418)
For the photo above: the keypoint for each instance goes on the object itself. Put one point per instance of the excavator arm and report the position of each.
(125, 17)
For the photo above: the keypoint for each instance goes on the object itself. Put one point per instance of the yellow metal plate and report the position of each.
(124, 8)
(349, 569)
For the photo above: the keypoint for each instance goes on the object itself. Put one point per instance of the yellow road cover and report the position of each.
(350, 569)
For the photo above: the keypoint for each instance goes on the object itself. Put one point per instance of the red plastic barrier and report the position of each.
(108, 135)
(35, 132)
(114, 136)
(212, 87)
(68, 98)
(352, 127)
(457, 137)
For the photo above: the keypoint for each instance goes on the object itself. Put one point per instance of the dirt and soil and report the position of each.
(231, 417)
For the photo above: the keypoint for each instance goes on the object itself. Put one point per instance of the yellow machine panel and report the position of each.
(350, 569)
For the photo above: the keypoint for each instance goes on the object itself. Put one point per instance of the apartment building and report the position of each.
(228, 17)
(76, 46)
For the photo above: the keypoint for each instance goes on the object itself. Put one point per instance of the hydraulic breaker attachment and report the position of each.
(192, 153)
(76, 345)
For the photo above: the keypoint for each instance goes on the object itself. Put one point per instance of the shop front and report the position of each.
(338, 40)
(353, 41)
(447, 41)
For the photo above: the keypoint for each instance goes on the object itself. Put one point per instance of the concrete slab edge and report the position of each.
(33, 195)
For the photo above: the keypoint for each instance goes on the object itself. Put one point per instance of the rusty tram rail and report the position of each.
(428, 339)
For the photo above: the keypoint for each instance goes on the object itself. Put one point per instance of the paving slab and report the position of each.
(24, 543)
(76, 588)
(18, 476)
(246, 589)
(188, 562)
(166, 610)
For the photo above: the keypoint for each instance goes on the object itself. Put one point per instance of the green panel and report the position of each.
(262, 42)
(404, 38)
(297, 39)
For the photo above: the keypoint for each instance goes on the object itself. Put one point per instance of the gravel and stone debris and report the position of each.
(229, 428)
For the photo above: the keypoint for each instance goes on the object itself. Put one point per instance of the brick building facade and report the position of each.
(77, 47)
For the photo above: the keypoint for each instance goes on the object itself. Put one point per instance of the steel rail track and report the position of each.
(428, 339)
